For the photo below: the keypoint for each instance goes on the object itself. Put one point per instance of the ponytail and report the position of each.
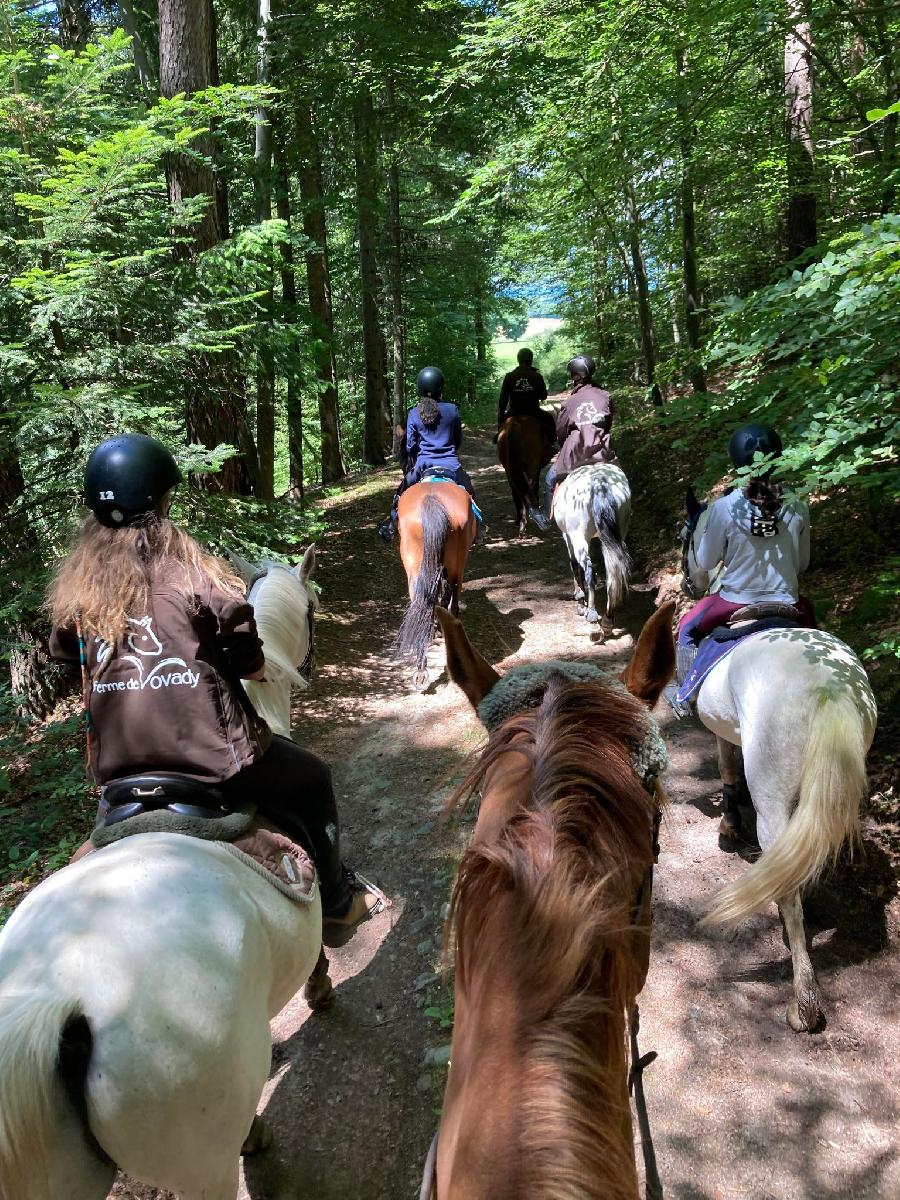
(429, 412)
(765, 501)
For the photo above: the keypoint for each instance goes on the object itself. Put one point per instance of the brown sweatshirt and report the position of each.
(168, 697)
(582, 429)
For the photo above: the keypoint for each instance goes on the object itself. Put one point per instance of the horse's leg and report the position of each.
(582, 552)
(318, 991)
(577, 577)
(804, 1012)
(730, 824)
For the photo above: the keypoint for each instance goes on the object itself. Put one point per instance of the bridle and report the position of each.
(639, 1062)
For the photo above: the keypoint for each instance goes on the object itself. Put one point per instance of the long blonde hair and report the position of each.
(108, 574)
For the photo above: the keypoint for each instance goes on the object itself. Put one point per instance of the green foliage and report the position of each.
(815, 355)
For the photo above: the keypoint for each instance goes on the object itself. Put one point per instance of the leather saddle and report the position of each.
(754, 618)
(134, 794)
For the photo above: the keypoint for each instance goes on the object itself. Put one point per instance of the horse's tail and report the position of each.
(616, 559)
(416, 630)
(832, 784)
(32, 1040)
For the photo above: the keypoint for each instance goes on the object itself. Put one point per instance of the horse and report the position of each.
(136, 989)
(551, 920)
(523, 449)
(285, 617)
(595, 502)
(437, 529)
(798, 705)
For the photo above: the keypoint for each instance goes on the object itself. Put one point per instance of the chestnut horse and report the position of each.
(551, 912)
(522, 450)
(437, 529)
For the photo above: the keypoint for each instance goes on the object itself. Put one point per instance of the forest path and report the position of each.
(741, 1108)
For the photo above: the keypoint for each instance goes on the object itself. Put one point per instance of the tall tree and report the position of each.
(365, 145)
(691, 275)
(318, 283)
(798, 109)
(262, 178)
(395, 233)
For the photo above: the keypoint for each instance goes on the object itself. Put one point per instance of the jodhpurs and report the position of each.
(712, 610)
(293, 789)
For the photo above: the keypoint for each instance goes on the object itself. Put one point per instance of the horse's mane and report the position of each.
(574, 858)
(280, 607)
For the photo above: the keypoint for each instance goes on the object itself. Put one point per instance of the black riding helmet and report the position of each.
(581, 364)
(747, 439)
(126, 477)
(430, 382)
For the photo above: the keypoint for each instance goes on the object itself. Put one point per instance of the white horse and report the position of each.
(136, 989)
(595, 502)
(798, 704)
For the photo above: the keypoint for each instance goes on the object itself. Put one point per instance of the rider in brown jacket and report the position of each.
(165, 634)
(582, 429)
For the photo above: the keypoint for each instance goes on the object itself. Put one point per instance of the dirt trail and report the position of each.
(740, 1106)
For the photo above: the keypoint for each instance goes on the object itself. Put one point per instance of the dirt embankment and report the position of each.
(741, 1107)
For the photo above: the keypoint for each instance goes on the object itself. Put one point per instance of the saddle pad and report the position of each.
(439, 478)
(211, 829)
(712, 651)
(271, 853)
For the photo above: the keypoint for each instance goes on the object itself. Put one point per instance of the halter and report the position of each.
(523, 688)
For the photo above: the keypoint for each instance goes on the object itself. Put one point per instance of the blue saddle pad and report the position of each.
(713, 649)
(439, 477)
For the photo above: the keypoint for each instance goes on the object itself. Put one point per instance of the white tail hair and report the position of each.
(281, 606)
(30, 1030)
(832, 784)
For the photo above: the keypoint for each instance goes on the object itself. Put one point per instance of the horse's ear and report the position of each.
(653, 662)
(465, 666)
(245, 569)
(692, 504)
(306, 565)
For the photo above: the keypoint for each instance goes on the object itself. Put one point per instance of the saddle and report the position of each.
(694, 664)
(441, 475)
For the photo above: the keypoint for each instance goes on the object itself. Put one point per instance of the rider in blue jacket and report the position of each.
(432, 441)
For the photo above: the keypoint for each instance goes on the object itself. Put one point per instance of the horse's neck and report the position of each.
(536, 1103)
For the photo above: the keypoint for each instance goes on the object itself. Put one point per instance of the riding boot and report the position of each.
(387, 529)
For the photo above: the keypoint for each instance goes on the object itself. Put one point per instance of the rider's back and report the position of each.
(437, 446)
(756, 568)
(583, 428)
(167, 697)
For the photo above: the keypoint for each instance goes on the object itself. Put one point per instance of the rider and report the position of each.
(761, 536)
(582, 430)
(136, 586)
(433, 438)
(521, 394)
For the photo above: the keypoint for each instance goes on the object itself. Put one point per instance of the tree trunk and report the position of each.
(138, 49)
(395, 230)
(798, 107)
(688, 234)
(262, 170)
(365, 153)
(216, 407)
(318, 282)
(74, 25)
(289, 304)
(639, 271)
(887, 49)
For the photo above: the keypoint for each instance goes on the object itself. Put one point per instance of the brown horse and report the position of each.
(437, 529)
(523, 449)
(551, 915)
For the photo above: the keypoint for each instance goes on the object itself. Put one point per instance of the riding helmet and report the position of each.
(126, 477)
(582, 364)
(748, 439)
(430, 382)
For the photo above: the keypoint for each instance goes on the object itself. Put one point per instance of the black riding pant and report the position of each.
(293, 789)
(457, 475)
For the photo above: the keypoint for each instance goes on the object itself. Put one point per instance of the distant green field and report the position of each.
(551, 364)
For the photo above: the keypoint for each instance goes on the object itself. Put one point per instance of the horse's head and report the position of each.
(284, 603)
(694, 580)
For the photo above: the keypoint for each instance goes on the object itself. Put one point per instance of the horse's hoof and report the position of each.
(729, 828)
(420, 680)
(606, 625)
(318, 992)
(806, 1019)
(258, 1139)
(592, 616)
